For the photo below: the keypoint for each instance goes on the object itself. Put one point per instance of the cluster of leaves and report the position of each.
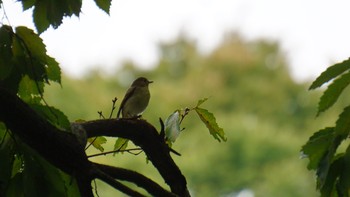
(51, 12)
(332, 165)
(25, 68)
(172, 123)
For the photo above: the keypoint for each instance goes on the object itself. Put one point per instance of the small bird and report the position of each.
(136, 99)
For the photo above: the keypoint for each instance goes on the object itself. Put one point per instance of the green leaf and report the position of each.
(344, 175)
(53, 70)
(201, 101)
(331, 95)
(6, 65)
(55, 116)
(342, 127)
(40, 17)
(51, 12)
(331, 73)
(104, 5)
(26, 4)
(328, 185)
(317, 146)
(172, 126)
(120, 144)
(97, 142)
(327, 161)
(209, 120)
(71, 185)
(33, 43)
(29, 88)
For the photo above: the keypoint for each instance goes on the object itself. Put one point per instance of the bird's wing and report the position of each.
(128, 94)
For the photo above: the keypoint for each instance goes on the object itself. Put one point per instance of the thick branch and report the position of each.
(60, 148)
(134, 177)
(116, 184)
(146, 136)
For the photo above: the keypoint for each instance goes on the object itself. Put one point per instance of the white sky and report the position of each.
(312, 33)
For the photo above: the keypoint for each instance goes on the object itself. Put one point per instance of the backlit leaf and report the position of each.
(29, 88)
(33, 43)
(331, 73)
(201, 101)
(97, 142)
(331, 95)
(121, 144)
(172, 126)
(209, 120)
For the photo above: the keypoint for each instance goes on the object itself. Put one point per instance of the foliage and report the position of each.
(25, 69)
(172, 123)
(331, 162)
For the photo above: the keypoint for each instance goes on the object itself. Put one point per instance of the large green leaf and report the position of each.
(331, 95)
(33, 43)
(51, 12)
(317, 146)
(40, 17)
(30, 54)
(331, 73)
(209, 120)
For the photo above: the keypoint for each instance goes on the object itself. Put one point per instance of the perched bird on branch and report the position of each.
(136, 99)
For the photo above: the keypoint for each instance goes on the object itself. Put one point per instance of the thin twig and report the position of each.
(113, 107)
(115, 151)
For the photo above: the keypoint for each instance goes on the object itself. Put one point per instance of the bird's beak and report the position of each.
(150, 81)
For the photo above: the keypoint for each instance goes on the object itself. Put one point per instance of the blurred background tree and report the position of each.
(265, 114)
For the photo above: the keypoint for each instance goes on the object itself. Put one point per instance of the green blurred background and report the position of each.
(266, 116)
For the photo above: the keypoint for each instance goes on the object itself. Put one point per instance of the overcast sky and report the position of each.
(312, 33)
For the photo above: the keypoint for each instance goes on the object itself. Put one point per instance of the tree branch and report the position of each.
(116, 184)
(134, 177)
(146, 136)
(63, 150)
